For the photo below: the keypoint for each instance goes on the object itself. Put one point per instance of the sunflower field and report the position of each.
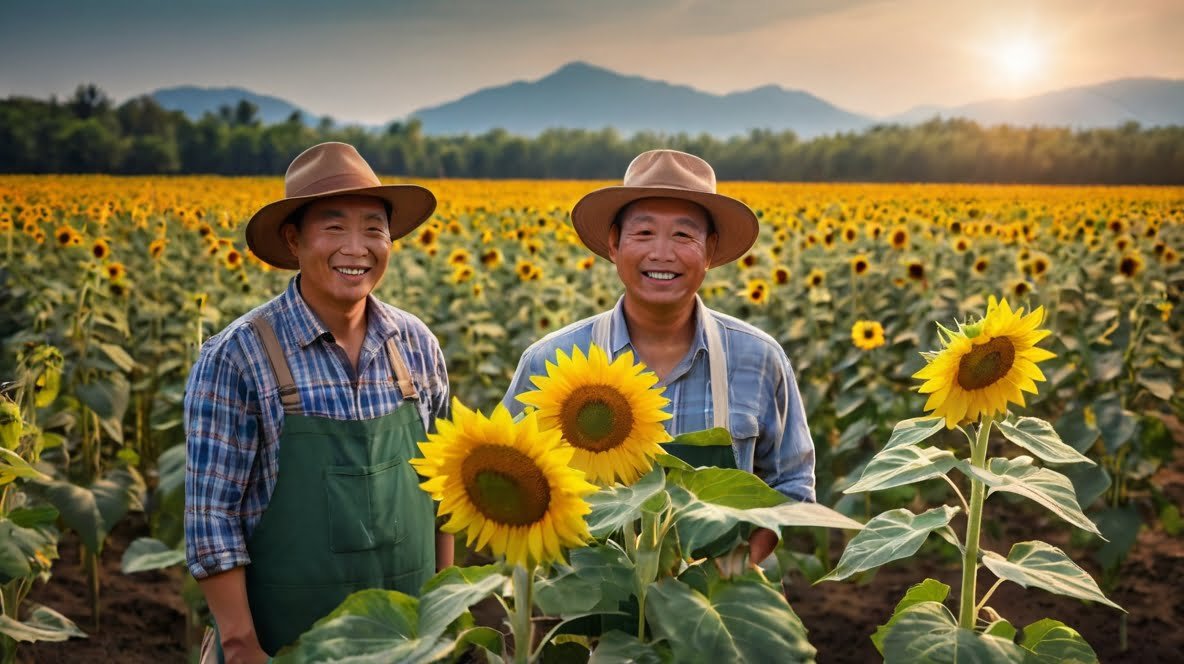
(109, 285)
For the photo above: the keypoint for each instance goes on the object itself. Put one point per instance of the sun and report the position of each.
(1020, 58)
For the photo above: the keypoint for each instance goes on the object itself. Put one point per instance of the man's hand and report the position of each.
(226, 594)
(244, 650)
(761, 543)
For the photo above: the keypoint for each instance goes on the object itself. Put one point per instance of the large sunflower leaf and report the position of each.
(44, 624)
(449, 594)
(617, 647)
(929, 590)
(892, 535)
(739, 621)
(93, 511)
(913, 431)
(1047, 487)
(717, 437)
(903, 465)
(712, 502)
(597, 578)
(147, 554)
(617, 506)
(1045, 566)
(1053, 642)
(1039, 438)
(19, 547)
(13, 467)
(927, 633)
(369, 626)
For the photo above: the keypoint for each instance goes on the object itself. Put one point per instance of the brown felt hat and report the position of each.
(667, 174)
(332, 169)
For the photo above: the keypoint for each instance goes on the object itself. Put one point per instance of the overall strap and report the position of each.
(717, 361)
(402, 375)
(289, 396)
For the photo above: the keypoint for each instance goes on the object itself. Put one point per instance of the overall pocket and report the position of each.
(363, 505)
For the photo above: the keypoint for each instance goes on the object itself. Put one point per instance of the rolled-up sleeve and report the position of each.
(528, 365)
(222, 439)
(784, 455)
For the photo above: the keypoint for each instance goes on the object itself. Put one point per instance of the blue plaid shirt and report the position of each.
(233, 415)
(765, 411)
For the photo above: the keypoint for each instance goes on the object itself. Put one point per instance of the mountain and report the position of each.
(195, 102)
(1148, 101)
(582, 96)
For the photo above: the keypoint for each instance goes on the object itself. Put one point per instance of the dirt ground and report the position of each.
(143, 618)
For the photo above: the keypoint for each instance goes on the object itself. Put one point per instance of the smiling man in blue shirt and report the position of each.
(663, 229)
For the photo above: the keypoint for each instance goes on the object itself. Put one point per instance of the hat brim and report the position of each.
(411, 205)
(735, 223)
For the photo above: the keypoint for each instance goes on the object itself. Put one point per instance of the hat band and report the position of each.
(673, 185)
(335, 183)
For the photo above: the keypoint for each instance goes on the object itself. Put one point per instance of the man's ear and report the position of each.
(711, 245)
(291, 237)
(614, 242)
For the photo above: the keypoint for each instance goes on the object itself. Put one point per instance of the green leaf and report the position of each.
(1002, 629)
(370, 625)
(617, 506)
(849, 401)
(893, 535)
(1119, 525)
(741, 620)
(118, 356)
(13, 467)
(926, 633)
(1076, 430)
(617, 647)
(1116, 423)
(108, 399)
(913, 431)
(449, 594)
(147, 554)
(39, 516)
(44, 624)
(929, 590)
(903, 465)
(19, 549)
(1046, 487)
(717, 437)
(1045, 566)
(1054, 642)
(853, 434)
(671, 461)
(1157, 381)
(93, 511)
(597, 578)
(1089, 482)
(1039, 438)
(1107, 366)
(711, 503)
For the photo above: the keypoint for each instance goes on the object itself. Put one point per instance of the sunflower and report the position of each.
(458, 257)
(586, 263)
(915, 270)
(749, 260)
(984, 366)
(981, 265)
(115, 271)
(899, 238)
(156, 248)
(961, 245)
(101, 248)
(491, 258)
(757, 291)
(780, 275)
(1130, 265)
(528, 271)
(611, 413)
(232, 260)
(462, 273)
(507, 485)
(860, 264)
(816, 278)
(867, 334)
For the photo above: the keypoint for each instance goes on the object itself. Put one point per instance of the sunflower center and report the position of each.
(596, 418)
(986, 364)
(506, 485)
(868, 333)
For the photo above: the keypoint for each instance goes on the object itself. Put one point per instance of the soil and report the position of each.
(143, 617)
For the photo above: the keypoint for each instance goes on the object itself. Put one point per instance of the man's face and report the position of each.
(342, 245)
(662, 249)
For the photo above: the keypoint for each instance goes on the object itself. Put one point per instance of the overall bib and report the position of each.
(719, 456)
(346, 514)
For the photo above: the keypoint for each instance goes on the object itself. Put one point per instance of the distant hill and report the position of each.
(581, 96)
(1148, 101)
(195, 102)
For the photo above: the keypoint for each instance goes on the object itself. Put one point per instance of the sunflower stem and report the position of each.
(520, 624)
(974, 520)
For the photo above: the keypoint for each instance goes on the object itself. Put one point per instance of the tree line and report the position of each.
(89, 133)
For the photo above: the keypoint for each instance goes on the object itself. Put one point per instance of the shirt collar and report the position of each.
(619, 331)
(308, 327)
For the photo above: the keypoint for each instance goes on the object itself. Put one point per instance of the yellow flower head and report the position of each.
(757, 291)
(984, 366)
(860, 264)
(610, 412)
(867, 334)
(507, 485)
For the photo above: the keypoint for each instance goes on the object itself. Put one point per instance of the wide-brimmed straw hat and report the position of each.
(667, 174)
(332, 169)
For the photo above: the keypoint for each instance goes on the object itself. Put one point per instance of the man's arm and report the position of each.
(520, 383)
(442, 409)
(226, 595)
(784, 455)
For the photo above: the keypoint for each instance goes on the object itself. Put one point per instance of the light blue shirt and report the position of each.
(766, 415)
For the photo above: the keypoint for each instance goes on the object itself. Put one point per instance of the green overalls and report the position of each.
(346, 514)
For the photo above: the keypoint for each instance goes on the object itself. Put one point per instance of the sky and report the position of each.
(372, 62)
